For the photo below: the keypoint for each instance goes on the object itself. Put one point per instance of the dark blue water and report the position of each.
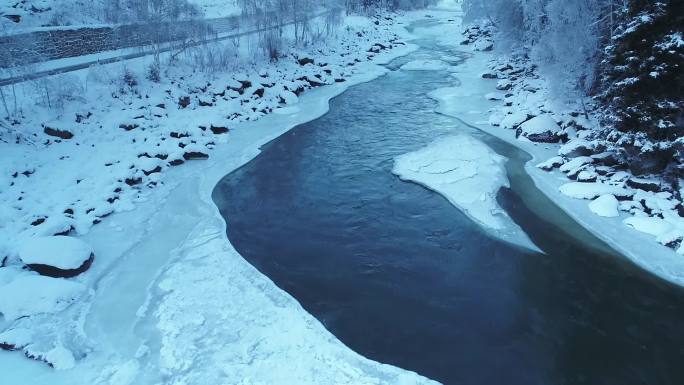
(403, 277)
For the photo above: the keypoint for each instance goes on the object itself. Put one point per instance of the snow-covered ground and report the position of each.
(217, 8)
(167, 299)
(646, 220)
(469, 174)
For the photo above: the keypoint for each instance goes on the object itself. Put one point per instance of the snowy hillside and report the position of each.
(110, 141)
(619, 150)
(341, 192)
(218, 8)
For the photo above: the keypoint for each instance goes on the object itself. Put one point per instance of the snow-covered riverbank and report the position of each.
(492, 106)
(168, 299)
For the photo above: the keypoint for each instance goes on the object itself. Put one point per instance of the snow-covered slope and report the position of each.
(168, 300)
(649, 228)
(217, 8)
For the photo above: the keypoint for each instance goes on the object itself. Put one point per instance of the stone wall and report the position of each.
(55, 44)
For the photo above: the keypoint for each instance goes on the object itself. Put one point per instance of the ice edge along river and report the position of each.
(203, 283)
(467, 102)
(208, 316)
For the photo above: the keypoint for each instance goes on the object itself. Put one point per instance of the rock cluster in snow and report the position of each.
(646, 204)
(27, 297)
(67, 170)
(479, 36)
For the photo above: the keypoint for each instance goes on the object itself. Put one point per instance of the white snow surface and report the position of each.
(174, 302)
(469, 174)
(465, 171)
(495, 96)
(466, 101)
(16, 337)
(425, 65)
(539, 125)
(513, 120)
(605, 206)
(217, 8)
(591, 190)
(649, 225)
(60, 358)
(59, 251)
(34, 294)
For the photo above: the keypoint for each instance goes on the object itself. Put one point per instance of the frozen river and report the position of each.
(403, 277)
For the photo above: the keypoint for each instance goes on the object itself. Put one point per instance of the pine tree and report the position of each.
(643, 86)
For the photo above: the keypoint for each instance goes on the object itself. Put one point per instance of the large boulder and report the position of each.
(514, 119)
(605, 206)
(57, 256)
(541, 129)
(58, 133)
(575, 148)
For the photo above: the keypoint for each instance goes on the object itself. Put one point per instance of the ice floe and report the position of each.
(469, 174)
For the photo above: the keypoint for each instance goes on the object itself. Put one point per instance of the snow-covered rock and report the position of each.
(58, 256)
(496, 118)
(483, 45)
(551, 163)
(591, 190)
(515, 119)
(14, 339)
(503, 85)
(59, 358)
(34, 294)
(606, 206)
(541, 128)
(576, 163)
(588, 174)
(494, 96)
(575, 148)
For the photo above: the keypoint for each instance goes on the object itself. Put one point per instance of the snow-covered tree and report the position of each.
(643, 86)
(628, 52)
(562, 37)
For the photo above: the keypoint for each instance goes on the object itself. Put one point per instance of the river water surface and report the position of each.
(404, 278)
